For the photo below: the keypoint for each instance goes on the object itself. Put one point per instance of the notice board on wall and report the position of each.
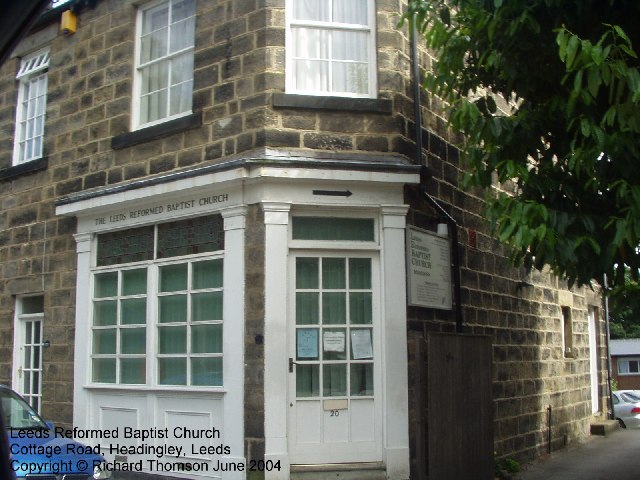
(428, 269)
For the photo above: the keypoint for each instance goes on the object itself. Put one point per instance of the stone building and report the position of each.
(205, 213)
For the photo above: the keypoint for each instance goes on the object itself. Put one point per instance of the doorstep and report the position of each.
(604, 427)
(339, 471)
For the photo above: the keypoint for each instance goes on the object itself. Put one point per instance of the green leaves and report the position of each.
(569, 155)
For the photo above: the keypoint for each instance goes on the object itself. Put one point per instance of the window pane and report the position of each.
(623, 366)
(311, 75)
(326, 228)
(36, 332)
(333, 273)
(306, 273)
(206, 306)
(125, 246)
(183, 9)
(155, 18)
(186, 237)
(307, 380)
(173, 277)
(349, 78)
(173, 339)
(106, 285)
(334, 308)
(206, 371)
(27, 355)
(104, 370)
(311, 44)
(352, 11)
(633, 367)
(134, 282)
(104, 313)
(153, 45)
(359, 273)
(33, 304)
(307, 308)
(311, 10)
(104, 341)
(182, 69)
(334, 381)
(180, 98)
(350, 46)
(134, 311)
(206, 338)
(172, 371)
(182, 34)
(360, 312)
(133, 340)
(173, 308)
(207, 274)
(153, 106)
(27, 382)
(362, 379)
(133, 370)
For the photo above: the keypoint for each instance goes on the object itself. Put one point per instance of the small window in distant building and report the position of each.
(567, 331)
(164, 62)
(628, 366)
(31, 107)
(331, 47)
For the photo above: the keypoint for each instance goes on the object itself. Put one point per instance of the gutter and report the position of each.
(425, 175)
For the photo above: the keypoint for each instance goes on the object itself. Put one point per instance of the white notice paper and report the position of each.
(334, 341)
(361, 344)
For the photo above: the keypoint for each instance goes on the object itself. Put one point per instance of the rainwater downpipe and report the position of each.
(425, 175)
(612, 415)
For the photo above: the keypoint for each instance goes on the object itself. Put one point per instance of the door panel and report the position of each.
(335, 414)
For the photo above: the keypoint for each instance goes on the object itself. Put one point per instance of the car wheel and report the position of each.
(622, 425)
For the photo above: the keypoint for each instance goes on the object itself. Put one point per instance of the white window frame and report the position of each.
(372, 64)
(136, 112)
(625, 361)
(32, 74)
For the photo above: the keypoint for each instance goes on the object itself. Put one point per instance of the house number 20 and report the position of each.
(334, 413)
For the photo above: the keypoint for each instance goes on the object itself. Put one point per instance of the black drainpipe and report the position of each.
(425, 174)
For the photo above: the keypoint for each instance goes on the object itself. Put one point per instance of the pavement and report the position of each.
(615, 456)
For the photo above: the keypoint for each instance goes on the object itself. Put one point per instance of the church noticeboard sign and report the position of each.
(428, 269)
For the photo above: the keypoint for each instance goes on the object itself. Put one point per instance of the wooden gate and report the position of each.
(459, 407)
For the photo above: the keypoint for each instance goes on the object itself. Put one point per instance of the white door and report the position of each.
(28, 343)
(334, 371)
(593, 359)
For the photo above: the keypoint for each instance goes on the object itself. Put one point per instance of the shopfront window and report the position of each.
(157, 305)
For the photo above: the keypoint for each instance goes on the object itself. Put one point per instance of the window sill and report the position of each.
(373, 105)
(155, 132)
(24, 168)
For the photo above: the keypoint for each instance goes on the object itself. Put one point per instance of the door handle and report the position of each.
(291, 364)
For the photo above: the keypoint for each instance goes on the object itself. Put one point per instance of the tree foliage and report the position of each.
(570, 145)
(624, 309)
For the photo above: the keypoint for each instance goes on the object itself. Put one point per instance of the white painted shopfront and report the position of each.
(160, 313)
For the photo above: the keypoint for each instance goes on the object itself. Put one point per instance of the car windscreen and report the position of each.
(18, 413)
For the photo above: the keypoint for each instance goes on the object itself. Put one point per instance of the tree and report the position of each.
(624, 309)
(567, 151)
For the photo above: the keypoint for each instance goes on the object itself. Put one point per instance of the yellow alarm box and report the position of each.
(68, 23)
